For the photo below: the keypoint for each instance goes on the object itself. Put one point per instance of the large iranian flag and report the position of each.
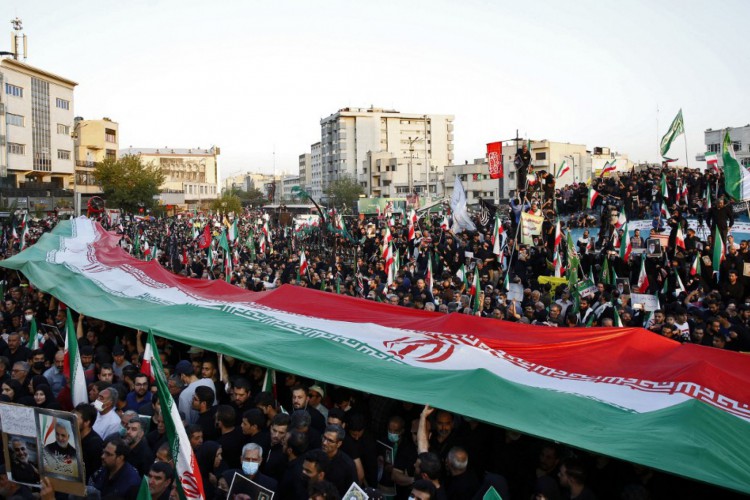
(622, 392)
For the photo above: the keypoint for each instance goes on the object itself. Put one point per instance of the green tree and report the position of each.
(227, 202)
(254, 197)
(343, 191)
(128, 183)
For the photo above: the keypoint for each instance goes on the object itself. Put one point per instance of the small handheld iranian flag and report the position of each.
(719, 252)
(564, 169)
(72, 368)
(498, 237)
(430, 278)
(625, 246)
(474, 291)
(302, 263)
(558, 234)
(664, 188)
(269, 382)
(593, 195)
(190, 485)
(33, 335)
(712, 161)
(695, 269)
(24, 232)
(643, 283)
(680, 238)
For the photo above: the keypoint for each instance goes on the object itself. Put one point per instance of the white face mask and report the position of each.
(28, 317)
(98, 405)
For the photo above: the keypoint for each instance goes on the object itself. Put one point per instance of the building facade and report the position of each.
(603, 155)
(287, 183)
(740, 137)
(191, 174)
(316, 171)
(94, 141)
(417, 148)
(35, 132)
(475, 178)
(305, 171)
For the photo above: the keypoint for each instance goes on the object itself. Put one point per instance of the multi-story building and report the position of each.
(740, 137)
(192, 175)
(412, 145)
(94, 141)
(475, 178)
(305, 171)
(35, 133)
(316, 171)
(287, 183)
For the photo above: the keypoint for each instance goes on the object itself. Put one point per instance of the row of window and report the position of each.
(20, 121)
(17, 91)
(15, 148)
(717, 148)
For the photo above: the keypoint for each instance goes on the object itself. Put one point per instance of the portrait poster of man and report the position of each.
(653, 247)
(623, 286)
(20, 444)
(243, 488)
(24, 460)
(60, 450)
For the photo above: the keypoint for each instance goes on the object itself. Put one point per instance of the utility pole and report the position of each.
(411, 161)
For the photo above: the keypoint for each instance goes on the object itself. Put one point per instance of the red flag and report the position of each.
(205, 238)
(495, 159)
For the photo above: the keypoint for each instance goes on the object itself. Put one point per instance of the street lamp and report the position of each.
(575, 172)
(411, 160)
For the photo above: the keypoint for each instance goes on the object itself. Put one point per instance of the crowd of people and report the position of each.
(309, 440)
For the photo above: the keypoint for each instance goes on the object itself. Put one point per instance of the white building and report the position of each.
(602, 155)
(36, 130)
(287, 183)
(475, 178)
(410, 144)
(740, 137)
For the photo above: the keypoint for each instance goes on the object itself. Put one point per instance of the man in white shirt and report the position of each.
(108, 421)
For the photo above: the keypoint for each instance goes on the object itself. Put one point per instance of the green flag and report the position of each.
(33, 335)
(223, 242)
(605, 277)
(719, 252)
(736, 177)
(143, 492)
(677, 128)
(492, 494)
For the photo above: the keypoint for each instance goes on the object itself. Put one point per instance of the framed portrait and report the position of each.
(653, 247)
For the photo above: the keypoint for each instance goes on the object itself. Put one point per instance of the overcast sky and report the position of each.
(256, 77)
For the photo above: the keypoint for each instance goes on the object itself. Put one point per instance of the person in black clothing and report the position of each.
(203, 403)
(341, 470)
(300, 401)
(461, 482)
(243, 400)
(141, 457)
(275, 460)
(160, 481)
(231, 439)
(91, 443)
(522, 163)
(573, 478)
(254, 428)
(720, 217)
(292, 484)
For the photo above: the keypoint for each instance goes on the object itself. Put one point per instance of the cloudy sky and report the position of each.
(256, 77)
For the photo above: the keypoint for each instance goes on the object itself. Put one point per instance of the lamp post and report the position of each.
(411, 161)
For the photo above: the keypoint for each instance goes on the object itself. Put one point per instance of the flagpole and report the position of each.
(684, 136)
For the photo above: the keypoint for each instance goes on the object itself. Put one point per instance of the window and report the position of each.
(62, 103)
(541, 156)
(12, 119)
(110, 135)
(63, 154)
(13, 90)
(737, 145)
(110, 154)
(63, 129)
(713, 148)
(16, 149)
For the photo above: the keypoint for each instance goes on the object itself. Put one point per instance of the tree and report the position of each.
(344, 191)
(227, 202)
(254, 197)
(128, 183)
